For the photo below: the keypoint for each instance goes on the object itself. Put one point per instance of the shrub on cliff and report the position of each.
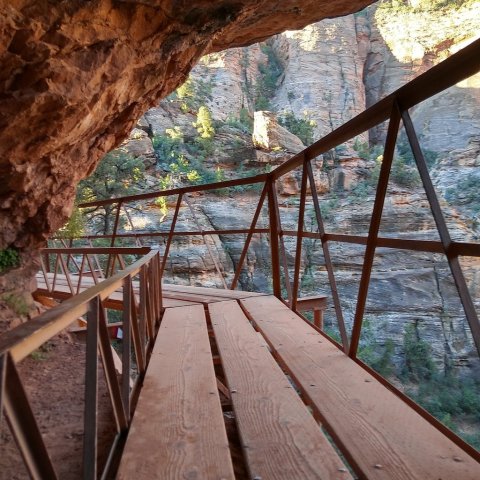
(303, 128)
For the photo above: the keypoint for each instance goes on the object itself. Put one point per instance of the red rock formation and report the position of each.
(77, 74)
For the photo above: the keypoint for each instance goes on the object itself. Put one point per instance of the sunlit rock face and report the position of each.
(76, 76)
(269, 135)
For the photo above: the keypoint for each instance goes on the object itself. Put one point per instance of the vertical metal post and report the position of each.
(274, 240)
(112, 242)
(110, 373)
(143, 309)
(374, 228)
(298, 252)
(91, 392)
(126, 344)
(136, 336)
(3, 374)
(283, 255)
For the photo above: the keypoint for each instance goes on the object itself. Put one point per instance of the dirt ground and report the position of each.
(53, 377)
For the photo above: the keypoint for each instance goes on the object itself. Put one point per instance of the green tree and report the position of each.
(301, 127)
(75, 226)
(186, 93)
(418, 356)
(204, 123)
(267, 80)
(117, 174)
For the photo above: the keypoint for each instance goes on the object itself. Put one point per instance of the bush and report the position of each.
(9, 258)
(403, 174)
(377, 356)
(16, 302)
(118, 174)
(244, 122)
(75, 226)
(465, 192)
(418, 356)
(301, 127)
(192, 93)
(204, 123)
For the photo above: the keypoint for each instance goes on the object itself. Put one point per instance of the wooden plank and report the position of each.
(184, 295)
(174, 302)
(280, 437)
(381, 436)
(212, 292)
(189, 297)
(178, 430)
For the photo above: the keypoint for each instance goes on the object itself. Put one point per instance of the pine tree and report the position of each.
(204, 123)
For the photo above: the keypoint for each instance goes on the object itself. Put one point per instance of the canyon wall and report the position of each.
(326, 74)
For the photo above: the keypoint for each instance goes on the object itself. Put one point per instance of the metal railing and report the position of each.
(139, 325)
(77, 268)
(395, 109)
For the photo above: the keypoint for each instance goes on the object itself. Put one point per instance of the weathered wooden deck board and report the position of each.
(178, 430)
(213, 292)
(380, 434)
(173, 295)
(280, 437)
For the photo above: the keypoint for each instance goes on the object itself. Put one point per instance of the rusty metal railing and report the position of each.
(139, 325)
(394, 109)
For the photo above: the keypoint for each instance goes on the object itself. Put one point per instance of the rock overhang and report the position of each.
(76, 76)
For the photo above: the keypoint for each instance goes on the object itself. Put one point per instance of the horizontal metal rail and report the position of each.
(29, 336)
(393, 108)
(182, 190)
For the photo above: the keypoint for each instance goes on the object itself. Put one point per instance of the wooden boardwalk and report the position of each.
(60, 287)
(297, 401)
(302, 408)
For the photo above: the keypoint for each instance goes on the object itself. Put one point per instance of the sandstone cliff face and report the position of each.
(400, 46)
(323, 73)
(77, 75)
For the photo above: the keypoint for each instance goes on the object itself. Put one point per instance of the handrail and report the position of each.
(181, 190)
(27, 337)
(393, 108)
(140, 324)
(98, 250)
